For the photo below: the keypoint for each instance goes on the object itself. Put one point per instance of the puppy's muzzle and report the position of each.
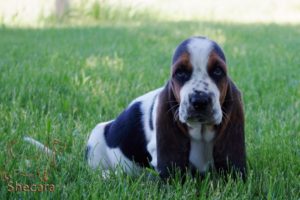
(200, 106)
(200, 101)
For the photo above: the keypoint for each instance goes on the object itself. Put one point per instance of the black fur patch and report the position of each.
(126, 132)
(106, 132)
(219, 51)
(181, 48)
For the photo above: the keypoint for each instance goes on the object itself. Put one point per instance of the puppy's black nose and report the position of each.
(200, 100)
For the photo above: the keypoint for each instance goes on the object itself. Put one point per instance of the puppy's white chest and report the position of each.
(201, 153)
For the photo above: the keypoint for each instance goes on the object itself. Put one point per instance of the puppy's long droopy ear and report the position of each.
(173, 144)
(229, 150)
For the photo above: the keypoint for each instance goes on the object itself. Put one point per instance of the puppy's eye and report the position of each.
(182, 75)
(218, 72)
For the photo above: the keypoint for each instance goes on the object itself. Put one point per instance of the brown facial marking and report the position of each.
(183, 62)
(213, 62)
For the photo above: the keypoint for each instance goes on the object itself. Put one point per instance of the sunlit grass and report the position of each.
(56, 84)
(41, 13)
(269, 11)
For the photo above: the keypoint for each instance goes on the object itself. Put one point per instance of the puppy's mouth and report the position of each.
(208, 117)
(200, 119)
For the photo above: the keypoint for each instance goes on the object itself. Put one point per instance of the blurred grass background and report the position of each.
(49, 12)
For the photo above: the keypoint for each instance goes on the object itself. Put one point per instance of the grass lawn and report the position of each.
(57, 83)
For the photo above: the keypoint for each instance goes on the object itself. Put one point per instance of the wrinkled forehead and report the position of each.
(198, 49)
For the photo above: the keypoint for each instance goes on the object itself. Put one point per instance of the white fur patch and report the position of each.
(97, 154)
(195, 131)
(199, 50)
(201, 153)
(147, 101)
(151, 146)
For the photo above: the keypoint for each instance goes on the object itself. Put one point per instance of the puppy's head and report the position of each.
(199, 81)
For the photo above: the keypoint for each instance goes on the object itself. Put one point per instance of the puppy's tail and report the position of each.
(39, 145)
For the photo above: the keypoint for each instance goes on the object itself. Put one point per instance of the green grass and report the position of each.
(57, 83)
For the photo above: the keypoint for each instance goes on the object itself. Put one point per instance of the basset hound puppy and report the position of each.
(195, 121)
